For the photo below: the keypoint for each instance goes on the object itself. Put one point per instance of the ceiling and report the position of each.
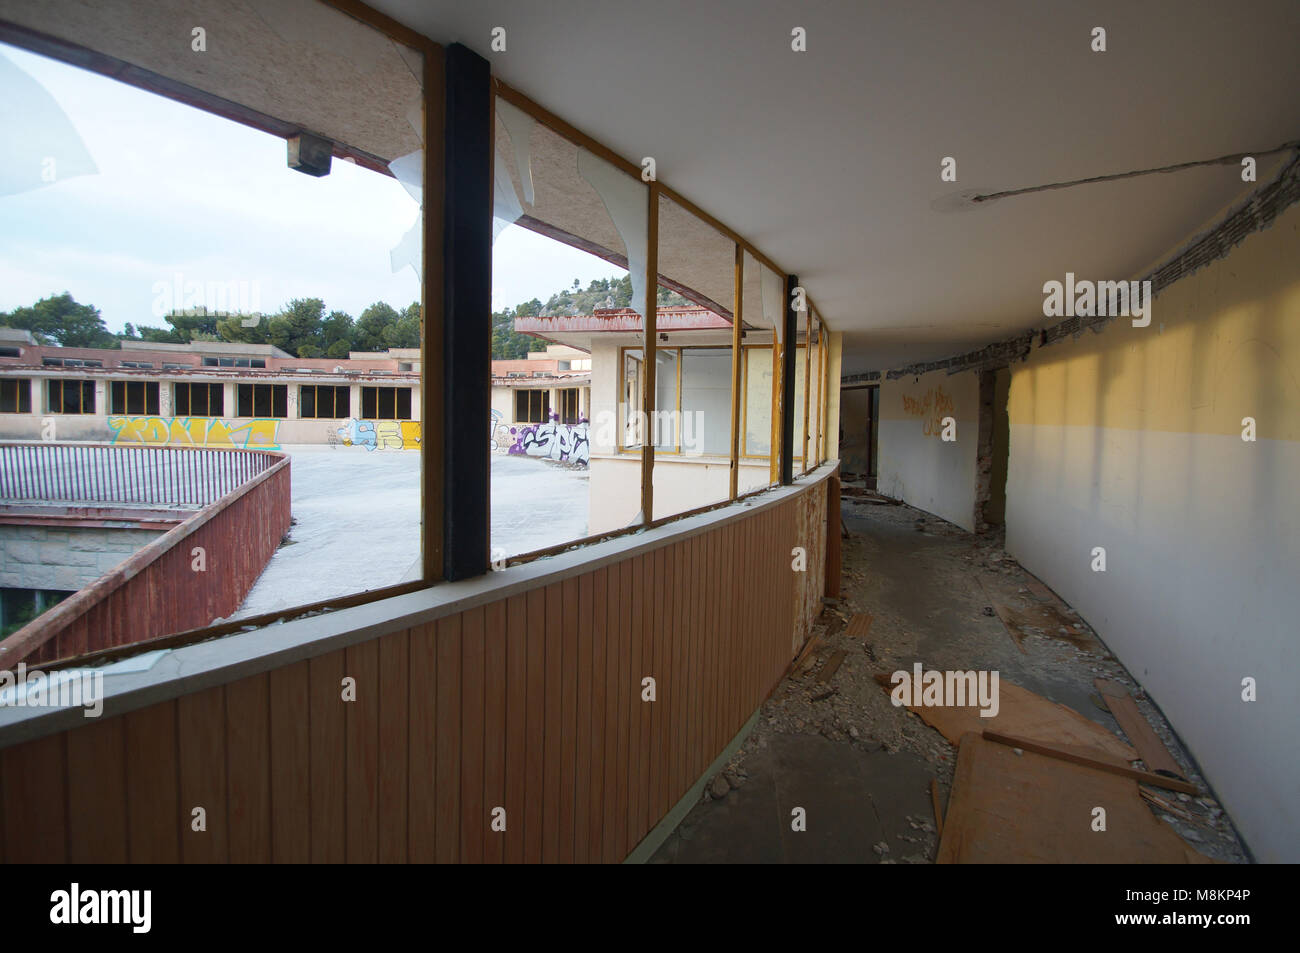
(829, 160)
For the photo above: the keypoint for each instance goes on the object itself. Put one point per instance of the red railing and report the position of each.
(159, 476)
(198, 571)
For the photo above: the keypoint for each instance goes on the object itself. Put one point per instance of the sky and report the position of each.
(174, 198)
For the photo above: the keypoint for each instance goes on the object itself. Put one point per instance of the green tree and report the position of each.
(60, 319)
(298, 328)
(372, 324)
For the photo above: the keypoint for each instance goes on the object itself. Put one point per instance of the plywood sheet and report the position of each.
(1028, 715)
(1008, 808)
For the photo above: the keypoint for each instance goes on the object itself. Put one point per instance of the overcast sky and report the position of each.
(177, 191)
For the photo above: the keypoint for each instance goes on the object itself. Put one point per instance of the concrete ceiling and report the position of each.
(829, 160)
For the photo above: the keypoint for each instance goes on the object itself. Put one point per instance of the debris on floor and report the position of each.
(830, 740)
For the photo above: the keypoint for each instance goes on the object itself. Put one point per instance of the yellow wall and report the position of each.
(1130, 440)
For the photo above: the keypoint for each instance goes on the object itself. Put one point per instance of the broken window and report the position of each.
(570, 405)
(324, 401)
(133, 397)
(198, 400)
(263, 400)
(386, 403)
(70, 397)
(15, 396)
(532, 406)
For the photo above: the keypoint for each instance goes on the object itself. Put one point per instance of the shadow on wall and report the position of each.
(1150, 485)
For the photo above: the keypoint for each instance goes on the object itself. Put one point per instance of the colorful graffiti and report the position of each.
(257, 434)
(500, 437)
(376, 434)
(933, 407)
(554, 440)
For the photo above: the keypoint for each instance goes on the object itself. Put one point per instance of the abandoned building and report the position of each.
(988, 383)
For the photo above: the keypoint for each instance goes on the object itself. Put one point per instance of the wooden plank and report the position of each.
(618, 633)
(1074, 757)
(362, 718)
(601, 684)
(473, 813)
(394, 747)
(653, 665)
(829, 669)
(554, 719)
(516, 726)
(833, 544)
(201, 739)
(248, 769)
(535, 757)
(697, 725)
(423, 745)
(153, 814)
(96, 792)
(291, 764)
(737, 354)
(670, 606)
(568, 718)
(34, 779)
(938, 810)
(496, 676)
(1137, 729)
(584, 698)
(328, 736)
(1028, 715)
(650, 364)
(859, 626)
(635, 707)
(447, 758)
(1031, 808)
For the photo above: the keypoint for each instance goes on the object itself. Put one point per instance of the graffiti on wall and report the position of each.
(932, 408)
(500, 437)
(556, 441)
(257, 434)
(376, 434)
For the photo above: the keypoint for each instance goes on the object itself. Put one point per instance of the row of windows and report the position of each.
(208, 400)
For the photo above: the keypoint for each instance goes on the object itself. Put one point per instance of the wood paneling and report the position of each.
(533, 703)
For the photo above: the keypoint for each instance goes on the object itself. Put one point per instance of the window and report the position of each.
(10, 352)
(705, 409)
(133, 397)
(198, 400)
(263, 400)
(70, 397)
(757, 387)
(175, 367)
(70, 362)
(570, 405)
(15, 396)
(629, 406)
(143, 365)
(324, 401)
(233, 362)
(386, 403)
(532, 406)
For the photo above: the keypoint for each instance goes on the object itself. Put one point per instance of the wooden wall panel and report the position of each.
(533, 703)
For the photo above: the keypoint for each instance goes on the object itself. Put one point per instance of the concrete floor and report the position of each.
(861, 767)
(357, 521)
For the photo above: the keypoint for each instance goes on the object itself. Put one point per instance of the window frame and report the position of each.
(22, 394)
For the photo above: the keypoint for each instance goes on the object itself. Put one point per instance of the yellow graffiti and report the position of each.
(933, 407)
(195, 432)
(377, 434)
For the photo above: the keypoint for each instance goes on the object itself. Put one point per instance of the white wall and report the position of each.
(1131, 440)
(916, 465)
